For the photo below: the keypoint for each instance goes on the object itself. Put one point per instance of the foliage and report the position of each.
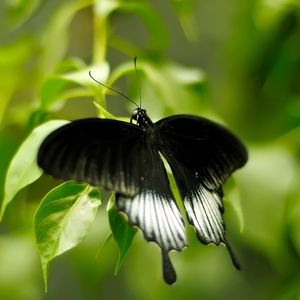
(122, 232)
(63, 219)
(239, 64)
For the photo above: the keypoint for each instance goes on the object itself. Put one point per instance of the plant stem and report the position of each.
(100, 36)
(100, 44)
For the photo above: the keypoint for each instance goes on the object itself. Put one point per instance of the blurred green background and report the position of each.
(237, 62)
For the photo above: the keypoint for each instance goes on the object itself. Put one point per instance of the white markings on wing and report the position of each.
(204, 211)
(158, 216)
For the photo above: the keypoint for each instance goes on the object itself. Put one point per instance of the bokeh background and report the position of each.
(237, 62)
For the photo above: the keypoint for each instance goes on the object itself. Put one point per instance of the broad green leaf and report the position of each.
(59, 88)
(50, 92)
(123, 233)
(98, 71)
(63, 219)
(23, 169)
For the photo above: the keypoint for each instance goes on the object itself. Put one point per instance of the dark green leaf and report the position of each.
(123, 233)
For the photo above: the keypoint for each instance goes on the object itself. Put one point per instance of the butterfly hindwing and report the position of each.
(154, 209)
(102, 152)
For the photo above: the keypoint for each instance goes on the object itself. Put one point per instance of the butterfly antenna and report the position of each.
(138, 79)
(112, 89)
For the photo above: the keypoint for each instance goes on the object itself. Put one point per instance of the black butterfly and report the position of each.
(126, 158)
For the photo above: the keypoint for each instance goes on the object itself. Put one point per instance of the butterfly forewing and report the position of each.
(102, 152)
(203, 146)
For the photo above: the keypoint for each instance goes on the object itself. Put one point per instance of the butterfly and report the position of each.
(127, 158)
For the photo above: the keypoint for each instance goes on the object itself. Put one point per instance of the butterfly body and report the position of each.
(126, 158)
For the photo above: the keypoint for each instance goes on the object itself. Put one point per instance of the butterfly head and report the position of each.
(140, 116)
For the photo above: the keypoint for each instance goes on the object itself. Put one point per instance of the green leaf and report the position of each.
(55, 45)
(17, 12)
(103, 112)
(63, 219)
(172, 87)
(59, 88)
(123, 233)
(158, 36)
(120, 71)
(23, 169)
(99, 72)
(104, 245)
(12, 59)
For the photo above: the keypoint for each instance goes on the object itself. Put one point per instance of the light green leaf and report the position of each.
(12, 59)
(120, 71)
(156, 27)
(103, 112)
(23, 169)
(56, 36)
(174, 87)
(99, 72)
(59, 88)
(123, 233)
(63, 219)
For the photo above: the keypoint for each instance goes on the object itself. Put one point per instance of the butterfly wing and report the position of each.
(202, 155)
(118, 156)
(202, 146)
(101, 152)
(155, 211)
